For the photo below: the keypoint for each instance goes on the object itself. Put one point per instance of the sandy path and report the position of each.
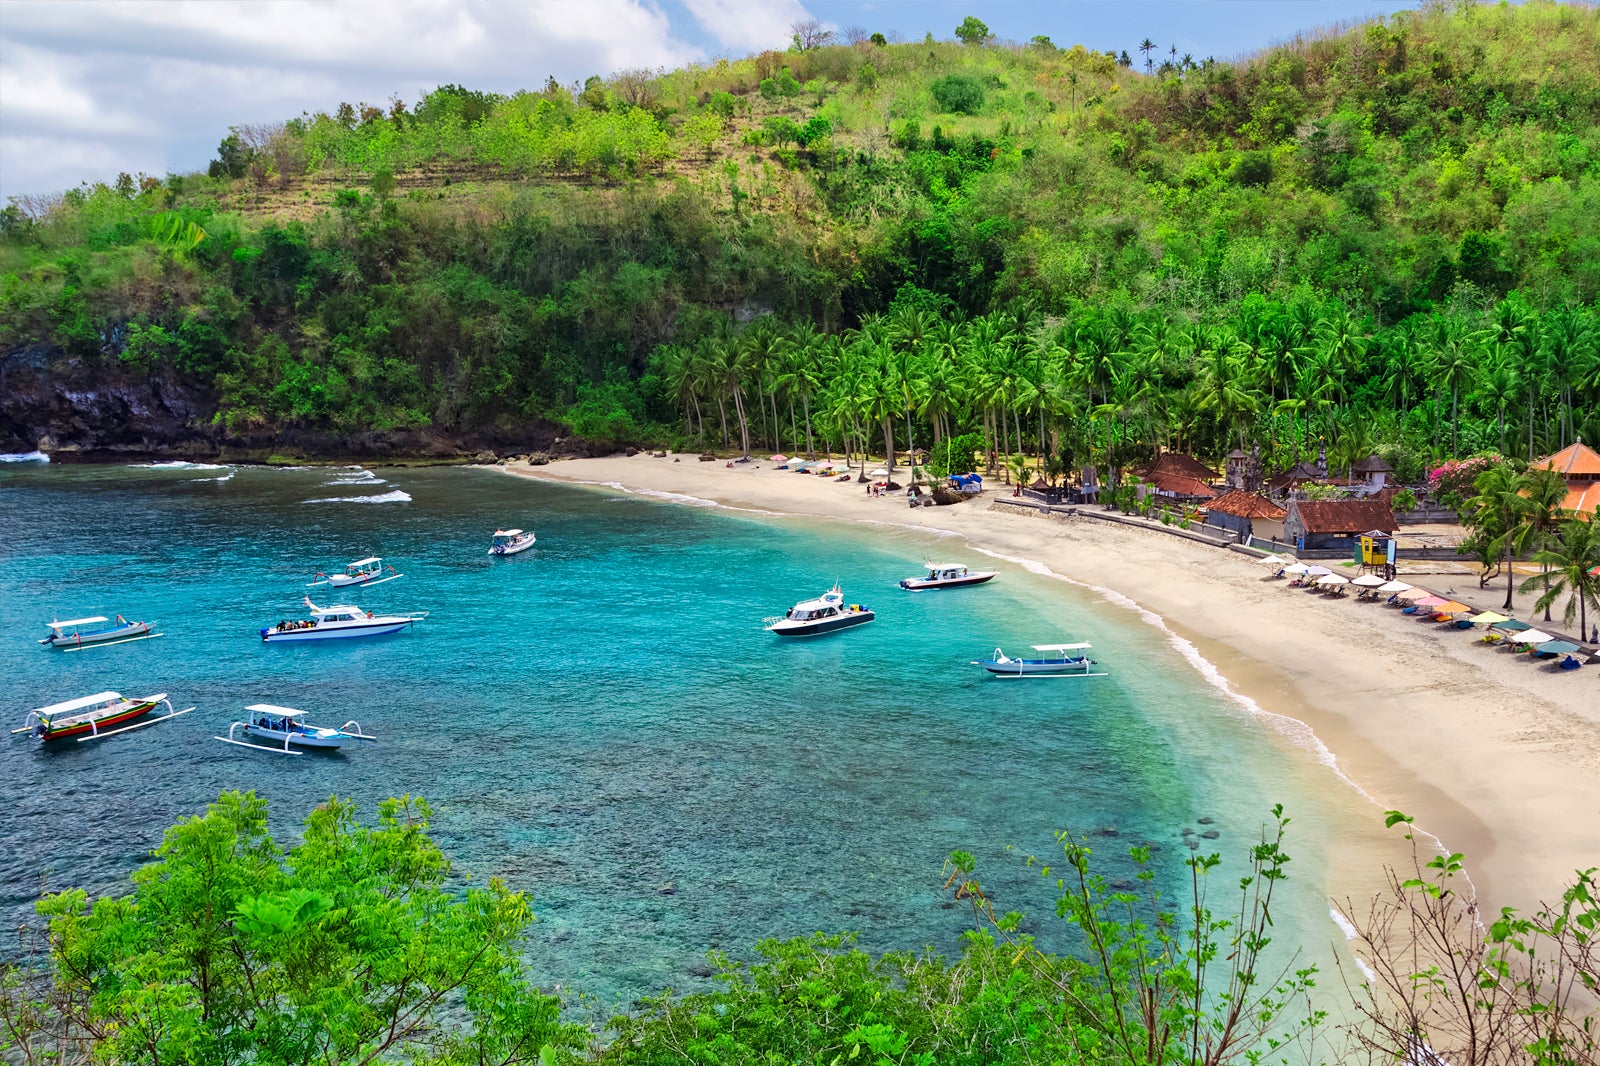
(1496, 755)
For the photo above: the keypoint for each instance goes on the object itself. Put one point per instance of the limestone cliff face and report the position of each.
(72, 410)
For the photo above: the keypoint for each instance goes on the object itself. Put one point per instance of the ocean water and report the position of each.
(602, 722)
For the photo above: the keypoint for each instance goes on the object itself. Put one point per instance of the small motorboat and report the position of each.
(92, 717)
(285, 729)
(342, 620)
(946, 576)
(825, 614)
(369, 571)
(1059, 660)
(510, 542)
(77, 633)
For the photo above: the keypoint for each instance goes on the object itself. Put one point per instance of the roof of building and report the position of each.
(1246, 505)
(1576, 460)
(1297, 472)
(1344, 516)
(1179, 463)
(1179, 485)
(1237, 453)
(1582, 497)
(1372, 464)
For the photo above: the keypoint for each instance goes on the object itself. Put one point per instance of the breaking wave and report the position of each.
(178, 464)
(397, 496)
(24, 457)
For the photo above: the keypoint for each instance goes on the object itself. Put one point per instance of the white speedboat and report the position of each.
(283, 729)
(343, 620)
(77, 633)
(946, 576)
(1057, 660)
(825, 614)
(510, 542)
(370, 571)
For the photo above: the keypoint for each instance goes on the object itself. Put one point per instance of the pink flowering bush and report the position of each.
(1452, 483)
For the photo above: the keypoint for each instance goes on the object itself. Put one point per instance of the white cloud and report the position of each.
(91, 88)
(753, 25)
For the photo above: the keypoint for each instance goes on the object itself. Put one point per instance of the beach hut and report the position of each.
(1335, 524)
(1580, 465)
(1247, 514)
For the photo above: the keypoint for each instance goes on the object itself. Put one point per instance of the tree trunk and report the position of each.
(744, 422)
(722, 411)
(805, 401)
(1510, 573)
(888, 444)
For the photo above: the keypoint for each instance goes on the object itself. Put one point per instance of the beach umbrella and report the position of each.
(1488, 618)
(1557, 647)
(1432, 601)
(1331, 580)
(780, 459)
(1451, 607)
(1532, 636)
(1412, 595)
(880, 472)
(1296, 569)
(1512, 626)
(1594, 571)
(1270, 560)
(1368, 581)
(1395, 587)
(1317, 571)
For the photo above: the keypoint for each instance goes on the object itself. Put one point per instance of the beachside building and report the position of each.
(1247, 514)
(1179, 477)
(1580, 464)
(1335, 524)
(1374, 474)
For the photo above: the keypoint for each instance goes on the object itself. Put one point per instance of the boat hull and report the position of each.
(511, 549)
(325, 739)
(98, 636)
(375, 628)
(820, 627)
(99, 725)
(922, 584)
(1036, 668)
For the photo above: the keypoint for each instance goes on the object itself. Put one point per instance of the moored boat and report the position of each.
(90, 717)
(284, 729)
(825, 614)
(369, 571)
(1057, 660)
(78, 633)
(341, 620)
(946, 576)
(510, 542)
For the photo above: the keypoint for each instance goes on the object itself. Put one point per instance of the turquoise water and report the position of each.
(602, 721)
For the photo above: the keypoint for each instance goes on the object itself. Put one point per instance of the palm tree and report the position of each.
(1570, 558)
(1498, 384)
(1456, 364)
(1546, 491)
(1499, 514)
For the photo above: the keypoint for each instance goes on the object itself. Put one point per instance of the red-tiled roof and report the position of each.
(1179, 485)
(1344, 516)
(1372, 464)
(1297, 472)
(1575, 460)
(1178, 463)
(1582, 497)
(1243, 504)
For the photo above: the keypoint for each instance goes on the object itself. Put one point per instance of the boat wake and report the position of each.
(24, 457)
(397, 496)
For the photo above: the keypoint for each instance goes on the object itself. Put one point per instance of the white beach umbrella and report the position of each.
(1296, 568)
(1394, 586)
(1317, 571)
(1368, 581)
(1270, 560)
(880, 472)
(1331, 580)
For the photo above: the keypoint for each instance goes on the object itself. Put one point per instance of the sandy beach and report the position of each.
(1494, 754)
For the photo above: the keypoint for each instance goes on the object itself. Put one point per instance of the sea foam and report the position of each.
(24, 457)
(397, 496)
(178, 464)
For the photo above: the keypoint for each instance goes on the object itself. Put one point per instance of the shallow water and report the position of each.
(601, 721)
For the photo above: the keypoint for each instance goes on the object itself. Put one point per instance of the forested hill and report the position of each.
(1376, 219)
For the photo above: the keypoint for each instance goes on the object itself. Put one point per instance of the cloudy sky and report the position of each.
(89, 88)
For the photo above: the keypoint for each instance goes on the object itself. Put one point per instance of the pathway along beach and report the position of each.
(1495, 755)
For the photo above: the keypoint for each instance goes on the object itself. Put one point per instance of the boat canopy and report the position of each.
(1061, 647)
(77, 622)
(272, 708)
(945, 566)
(78, 704)
(363, 562)
(508, 533)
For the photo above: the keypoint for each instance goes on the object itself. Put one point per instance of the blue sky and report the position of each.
(91, 88)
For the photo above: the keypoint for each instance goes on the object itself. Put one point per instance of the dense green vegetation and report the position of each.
(358, 945)
(1381, 236)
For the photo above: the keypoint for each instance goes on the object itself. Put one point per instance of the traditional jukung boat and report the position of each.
(825, 614)
(510, 542)
(77, 633)
(342, 620)
(92, 717)
(285, 729)
(370, 571)
(1060, 660)
(946, 576)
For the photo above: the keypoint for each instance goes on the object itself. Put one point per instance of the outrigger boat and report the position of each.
(93, 717)
(825, 614)
(946, 576)
(78, 633)
(288, 729)
(342, 620)
(510, 542)
(1060, 661)
(361, 572)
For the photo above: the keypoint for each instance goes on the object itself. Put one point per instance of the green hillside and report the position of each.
(1388, 227)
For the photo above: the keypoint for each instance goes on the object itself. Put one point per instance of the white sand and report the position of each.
(1496, 755)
